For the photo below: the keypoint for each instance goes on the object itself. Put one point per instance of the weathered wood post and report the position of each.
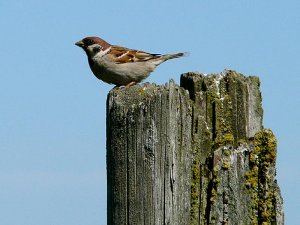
(195, 154)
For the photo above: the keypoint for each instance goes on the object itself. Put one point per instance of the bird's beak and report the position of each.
(79, 44)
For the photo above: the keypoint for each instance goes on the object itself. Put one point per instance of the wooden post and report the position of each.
(195, 154)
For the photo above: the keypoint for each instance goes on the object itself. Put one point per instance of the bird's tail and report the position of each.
(163, 58)
(176, 55)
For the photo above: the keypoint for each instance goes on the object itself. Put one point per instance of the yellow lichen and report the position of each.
(226, 164)
(261, 159)
(195, 190)
(227, 152)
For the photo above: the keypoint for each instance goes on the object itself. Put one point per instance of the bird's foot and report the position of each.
(117, 87)
(130, 84)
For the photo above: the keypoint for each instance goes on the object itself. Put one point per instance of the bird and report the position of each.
(118, 65)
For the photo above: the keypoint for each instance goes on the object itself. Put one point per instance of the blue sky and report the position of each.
(52, 109)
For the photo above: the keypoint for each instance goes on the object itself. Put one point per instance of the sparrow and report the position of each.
(119, 65)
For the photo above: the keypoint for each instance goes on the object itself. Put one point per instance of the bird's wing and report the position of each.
(126, 55)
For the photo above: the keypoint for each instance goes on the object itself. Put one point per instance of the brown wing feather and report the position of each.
(125, 55)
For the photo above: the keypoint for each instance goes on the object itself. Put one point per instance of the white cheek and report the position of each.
(102, 53)
(91, 51)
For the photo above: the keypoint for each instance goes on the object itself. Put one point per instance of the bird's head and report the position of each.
(93, 45)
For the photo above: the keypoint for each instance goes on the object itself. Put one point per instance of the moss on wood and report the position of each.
(195, 154)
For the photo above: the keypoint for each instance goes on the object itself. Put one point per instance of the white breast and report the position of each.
(107, 70)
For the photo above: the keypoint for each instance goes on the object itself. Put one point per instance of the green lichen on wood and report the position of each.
(227, 112)
(224, 139)
(226, 164)
(223, 128)
(215, 181)
(195, 192)
(218, 131)
(219, 109)
(259, 177)
(227, 152)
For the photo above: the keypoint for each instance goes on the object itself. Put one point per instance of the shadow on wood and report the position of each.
(195, 154)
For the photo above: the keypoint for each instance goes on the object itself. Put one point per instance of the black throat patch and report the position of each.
(91, 62)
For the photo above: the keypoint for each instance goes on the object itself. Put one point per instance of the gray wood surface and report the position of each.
(195, 154)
